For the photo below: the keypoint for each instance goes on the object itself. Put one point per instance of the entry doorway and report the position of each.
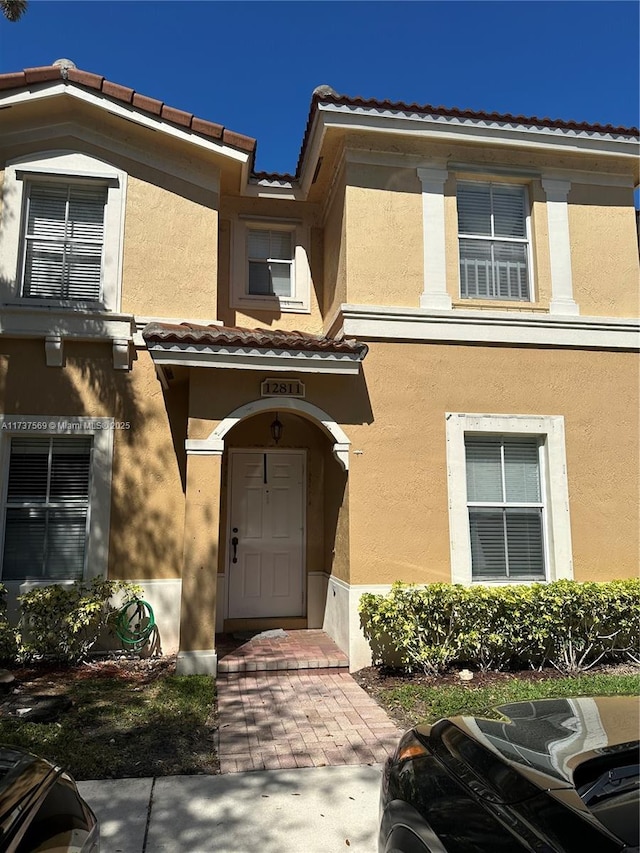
(266, 533)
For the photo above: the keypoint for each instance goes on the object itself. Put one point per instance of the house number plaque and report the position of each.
(282, 388)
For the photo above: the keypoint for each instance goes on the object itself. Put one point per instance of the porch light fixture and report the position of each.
(276, 429)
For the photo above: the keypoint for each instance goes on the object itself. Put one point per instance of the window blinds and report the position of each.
(64, 241)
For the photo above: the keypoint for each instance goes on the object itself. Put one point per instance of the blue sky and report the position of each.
(252, 66)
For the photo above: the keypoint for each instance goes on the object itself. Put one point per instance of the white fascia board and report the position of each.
(270, 188)
(499, 327)
(27, 321)
(240, 358)
(130, 113)
(509, 134)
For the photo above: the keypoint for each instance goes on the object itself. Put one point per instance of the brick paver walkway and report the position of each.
(311, 649)
(299, 718)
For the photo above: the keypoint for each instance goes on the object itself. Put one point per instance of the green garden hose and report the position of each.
(135, 623)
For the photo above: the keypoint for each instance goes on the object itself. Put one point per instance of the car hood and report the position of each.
(547, 739)
(22, 777)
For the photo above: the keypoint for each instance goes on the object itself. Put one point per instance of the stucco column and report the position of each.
(200, 564)
(434, 294)
(562, 301)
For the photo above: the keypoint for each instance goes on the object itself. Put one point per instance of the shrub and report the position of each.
(566, 624)
(63, 623)
(8, 645)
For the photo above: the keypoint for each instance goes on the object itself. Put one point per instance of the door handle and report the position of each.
(234, 542)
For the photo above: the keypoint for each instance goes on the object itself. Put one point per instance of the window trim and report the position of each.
(240, 298)
(528, 240)
(99, 511)
(65, 167)
(553, 479)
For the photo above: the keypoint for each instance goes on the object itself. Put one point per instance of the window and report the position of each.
(271, 266)
(494, 244)
(61, 232)
(504, 499)
(55, 498)
(63, 241)
(270, 258)
(508, 498)
(47, 508)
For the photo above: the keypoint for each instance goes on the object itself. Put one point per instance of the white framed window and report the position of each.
(508, 498)
(271, 266)
(494, 241)
(55, 498)
(63, 241)
(61, 235)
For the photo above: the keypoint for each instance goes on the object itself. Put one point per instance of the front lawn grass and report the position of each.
(414, 703)
(122, 727)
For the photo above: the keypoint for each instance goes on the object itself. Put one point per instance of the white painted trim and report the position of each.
(44, 91)
(202, 662)
(562, 301)
(214, 444)
(57, 324)
(480, 130)
(244, 358)
(555, 481)
(97, 552)
(434, 295)
(399, 160)
(236, 451)
(73, 165)
(300, 407)
(525, 327)
(239, 296)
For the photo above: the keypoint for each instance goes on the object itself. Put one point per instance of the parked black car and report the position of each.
(555, 776)
(41, 809)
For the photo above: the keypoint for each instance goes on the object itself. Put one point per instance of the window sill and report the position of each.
(275, 305)
(501, 305)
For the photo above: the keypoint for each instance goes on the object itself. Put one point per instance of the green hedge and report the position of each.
(565, 624)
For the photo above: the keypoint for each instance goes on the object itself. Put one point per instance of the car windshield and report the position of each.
(609, 785)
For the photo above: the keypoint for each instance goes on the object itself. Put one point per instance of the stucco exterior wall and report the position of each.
(147, 493)
(335, 253)
(604, 251)
(170, 250)
(399, 469)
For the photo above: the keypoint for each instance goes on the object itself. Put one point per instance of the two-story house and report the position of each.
(261, 395)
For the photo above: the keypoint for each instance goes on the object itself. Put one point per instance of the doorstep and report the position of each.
(278, 650)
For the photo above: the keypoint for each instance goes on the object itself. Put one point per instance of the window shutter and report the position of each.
(270, 263)
(522, 477)
(508, 211)
(64, 242)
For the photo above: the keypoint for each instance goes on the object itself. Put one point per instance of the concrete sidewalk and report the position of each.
(308, 810)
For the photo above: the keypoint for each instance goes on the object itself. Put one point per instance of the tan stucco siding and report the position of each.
(401, 473)
(384, 236)
(335, 254)
(170, 251)
(147, 499)
(604, 251)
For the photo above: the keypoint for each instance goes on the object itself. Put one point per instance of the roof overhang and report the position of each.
(497, 132)
(190, 345)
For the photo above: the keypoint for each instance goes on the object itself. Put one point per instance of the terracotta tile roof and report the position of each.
(325, 96)
(190, 333)
(116, 92)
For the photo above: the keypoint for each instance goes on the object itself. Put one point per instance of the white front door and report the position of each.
(265, 567)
